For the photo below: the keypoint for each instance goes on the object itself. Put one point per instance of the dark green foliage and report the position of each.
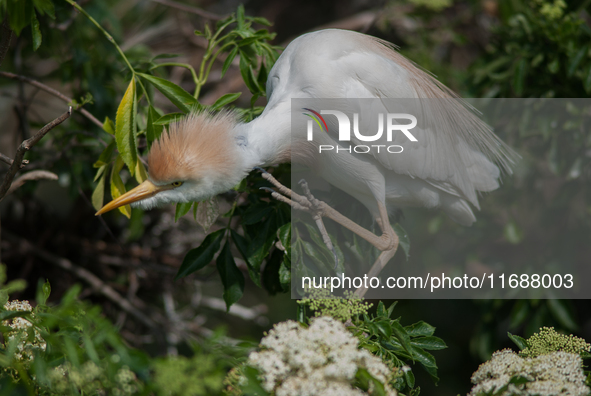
(541, 49)
(84, 353)
(397, 345)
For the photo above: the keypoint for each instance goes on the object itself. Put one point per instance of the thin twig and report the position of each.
(97, 284)
(53, 92)
(237, 310)
(6, 33)
(26, 146)
(33, 175)
(9, 161)
(188, 8)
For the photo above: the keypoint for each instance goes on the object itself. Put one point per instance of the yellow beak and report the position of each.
(145, 190)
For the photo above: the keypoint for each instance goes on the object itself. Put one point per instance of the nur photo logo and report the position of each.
(344, 131)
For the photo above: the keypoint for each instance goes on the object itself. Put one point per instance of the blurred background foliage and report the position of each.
(485, 48)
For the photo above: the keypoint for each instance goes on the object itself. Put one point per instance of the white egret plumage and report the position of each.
(205, 155)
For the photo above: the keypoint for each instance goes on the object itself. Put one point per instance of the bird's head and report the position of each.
(195, 159)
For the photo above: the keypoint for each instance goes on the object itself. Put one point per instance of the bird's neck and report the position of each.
(266, 140)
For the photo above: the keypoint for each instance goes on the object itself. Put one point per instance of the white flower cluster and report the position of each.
(92, 380)
(556, 373)
(322, 359)
(25, 349)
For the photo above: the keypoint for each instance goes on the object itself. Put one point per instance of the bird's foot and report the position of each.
(305, 203)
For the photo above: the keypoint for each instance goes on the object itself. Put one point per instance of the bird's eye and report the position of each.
(177, 183)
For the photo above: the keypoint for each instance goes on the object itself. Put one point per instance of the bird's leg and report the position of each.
(298, 202)
(386, 242)
(319, 222)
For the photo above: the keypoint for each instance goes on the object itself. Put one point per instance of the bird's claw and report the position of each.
(258, 168)
(305, 203)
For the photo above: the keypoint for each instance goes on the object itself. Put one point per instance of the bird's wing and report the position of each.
(456, 151)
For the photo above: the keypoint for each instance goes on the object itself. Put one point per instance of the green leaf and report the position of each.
(140, 172)
(106, 156)
(429, 343)
(181, 98)
(199, 257)
(519, 313)
(262, 75)
(118, 188)
(262, 242)
(519, 380)
(43, 292)
(364, 378)
(232, 277)
(420, 329)
(519, 77)
(100, 172)
(554, 66)
(519, 341)
(562, 314)
(322, 252)
(36, 32)
(225, 99)
(284, 234)
(240, 16)
(427, 361)
(98, 195)
(402, 335)
(45, 7)
(285, 274)
(403, 239)
(255, 213)
(181, 210)
(261, 21)
(125, 132)
(153, 130)
(207, 212)
(270, 277)
(5, 315)
(391, 309)
(248, 75)
(409, 377)
(229, 59)
(384, 328)
(16, 285)
(576, 60)
(513, 233)
(253, 386)
(242, 245)
(108, 126)
(169, 118)
(20, 14)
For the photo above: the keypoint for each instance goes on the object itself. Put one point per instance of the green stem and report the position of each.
(215, 56)
(203, 71)
(107, 35)
(186, 66)
(220, 30)
(139, 80)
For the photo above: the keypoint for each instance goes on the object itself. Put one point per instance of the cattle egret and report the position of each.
(204, 155)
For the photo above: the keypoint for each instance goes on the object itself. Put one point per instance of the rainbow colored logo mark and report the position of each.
(316, 116)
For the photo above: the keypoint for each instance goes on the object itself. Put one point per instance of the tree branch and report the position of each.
(5, 39)
(9, 161)
(96, 283)
(26, 146)
(33, 175)
(53, 92)
(188, 8)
